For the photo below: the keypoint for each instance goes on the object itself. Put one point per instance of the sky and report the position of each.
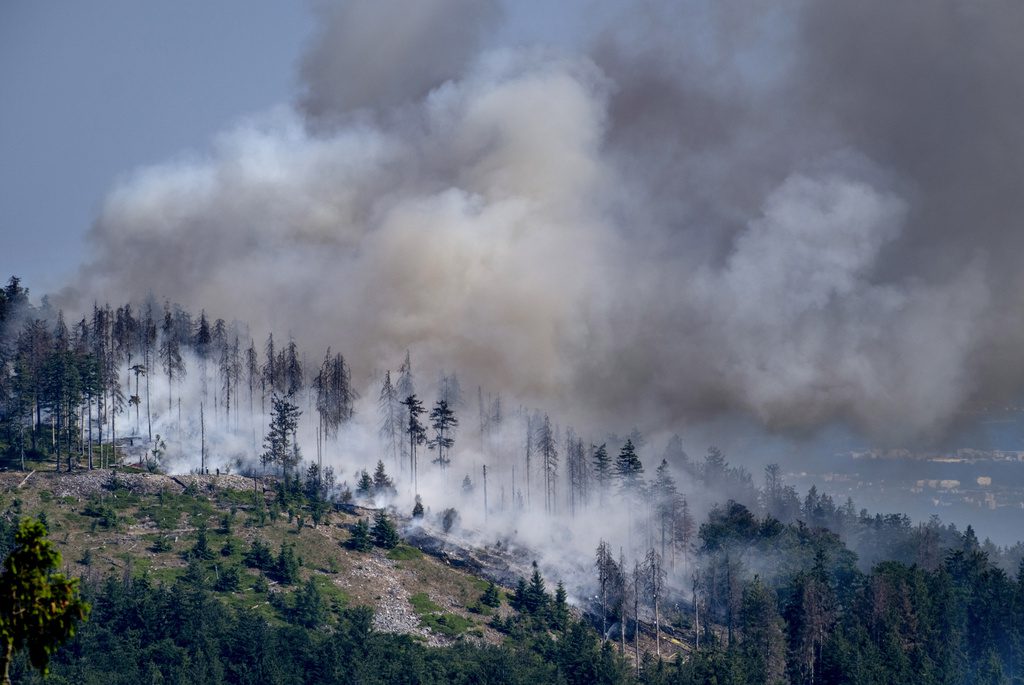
(92, 91)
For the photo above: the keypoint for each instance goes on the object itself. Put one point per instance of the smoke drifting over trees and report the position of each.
(800, 212)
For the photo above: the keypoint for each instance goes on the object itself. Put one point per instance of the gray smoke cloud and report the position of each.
(800, 212)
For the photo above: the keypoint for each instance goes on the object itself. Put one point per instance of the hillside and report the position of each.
(104, 524)
(128, 530)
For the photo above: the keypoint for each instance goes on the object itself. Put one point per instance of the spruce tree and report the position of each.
(360, 539)
(384, 533)
(491, 597)
(629, 470)
(286, 567)
(536, 598)
(382, 484)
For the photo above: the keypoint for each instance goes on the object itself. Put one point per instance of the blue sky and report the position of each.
(91, 91)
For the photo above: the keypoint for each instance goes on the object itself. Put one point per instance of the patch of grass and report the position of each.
(404, 553)
(226, 498)
(432, 617)
(168, 508)
(422, 604)
(333, 595)
(449, 625)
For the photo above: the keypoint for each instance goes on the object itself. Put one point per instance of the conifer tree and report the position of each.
(364, 487)
(443, 421)
(629, 470)
(360, 540)
(536, 598)
(602, 472)
(382, 484)
(391, 418)
(548, 449)
(490, 597)
(416, 432)
(384, 533)
(280, 446)
(405, 387)
(170, 355)
(763, 641)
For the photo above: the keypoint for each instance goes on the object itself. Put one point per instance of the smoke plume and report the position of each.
(804, 212)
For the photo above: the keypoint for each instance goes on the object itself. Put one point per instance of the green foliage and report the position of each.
(101, 510)
(201, 548)
(161, 544)
(535, 599)
(144, 633)
(491, 597)
(433, 617)
(360, 540)
(404, 553)
(287, 565)
(259, 556)
(384, 533)
(230, 547)
(38, 607)
(309, 609)
(229, 579)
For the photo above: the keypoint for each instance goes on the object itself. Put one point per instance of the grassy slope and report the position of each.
(99, 530)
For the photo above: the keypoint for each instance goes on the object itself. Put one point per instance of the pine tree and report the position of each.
(360, 540)
(443, 421)
(763, 643)
(666, 508)
(382, 484)
(201, 549)
(405, 387)
(417, 509)
(536, 598)
(170, 354)
(364, 488)
(548, 449)
(602, 472)
(629, 470)
(280, 446)
(560, 608)
(416, 432)
(286, 567)
(391, 418)
(490, 597)
(384, 533)
(607, 573)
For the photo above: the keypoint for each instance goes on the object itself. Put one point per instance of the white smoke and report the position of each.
(652, 233)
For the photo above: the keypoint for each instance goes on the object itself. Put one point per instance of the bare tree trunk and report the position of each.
(113, 429)
(53, 437)
(89, 412)
(636, 615)
(202, 440)
(149, 416)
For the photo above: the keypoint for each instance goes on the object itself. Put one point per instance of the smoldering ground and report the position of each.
(800, 212)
